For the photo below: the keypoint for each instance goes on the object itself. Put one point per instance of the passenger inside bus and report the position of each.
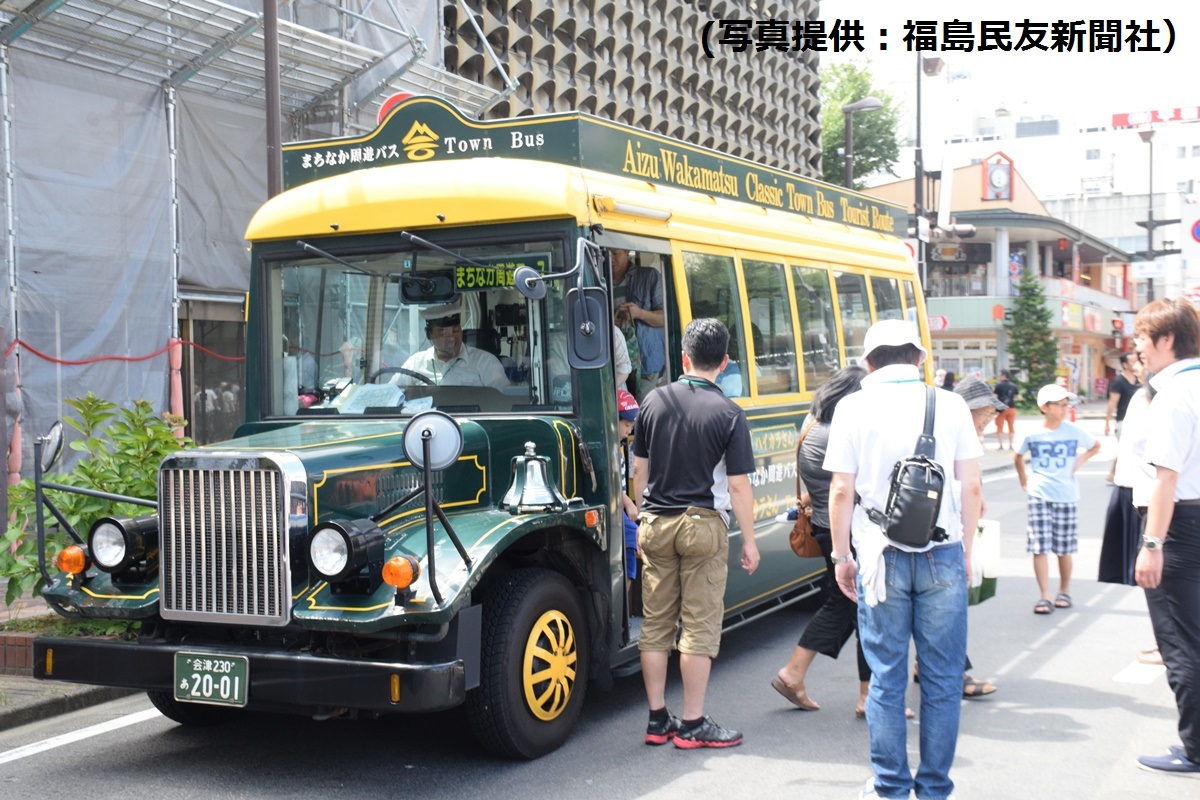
(450, 362)
(638, 300)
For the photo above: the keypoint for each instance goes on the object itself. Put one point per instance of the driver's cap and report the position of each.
(443, 316)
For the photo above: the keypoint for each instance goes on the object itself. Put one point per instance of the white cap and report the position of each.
(893, 333)
(1052, 393)
(436, 314)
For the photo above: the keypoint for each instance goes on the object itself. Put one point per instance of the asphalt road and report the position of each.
(1073, 711)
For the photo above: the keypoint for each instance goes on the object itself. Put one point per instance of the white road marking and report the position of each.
(1138, 672)
(75, 736)
(1037, 645)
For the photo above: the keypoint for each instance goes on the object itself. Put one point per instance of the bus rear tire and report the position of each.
(533, 667)
(193, 715)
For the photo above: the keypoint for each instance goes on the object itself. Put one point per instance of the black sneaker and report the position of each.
(707, 734)
(663, 732)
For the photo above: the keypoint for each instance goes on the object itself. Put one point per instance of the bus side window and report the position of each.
(887, 299)
(771, 319)
(818, 328)
(712, 287)
(856, 314)
(910, 302)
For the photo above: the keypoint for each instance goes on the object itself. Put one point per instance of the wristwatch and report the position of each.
(1152, 543)
(846, 559)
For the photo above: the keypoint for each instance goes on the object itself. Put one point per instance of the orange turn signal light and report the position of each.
(401, 571)
(72, 560)
(591, 518)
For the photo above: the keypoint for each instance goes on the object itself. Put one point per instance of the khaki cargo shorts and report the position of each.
(686, 562)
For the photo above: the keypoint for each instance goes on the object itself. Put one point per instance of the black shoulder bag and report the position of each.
(915, 495)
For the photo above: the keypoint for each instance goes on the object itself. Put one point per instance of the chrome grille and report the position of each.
(224, 544)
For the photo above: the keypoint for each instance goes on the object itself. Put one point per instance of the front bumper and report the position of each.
(276, 678)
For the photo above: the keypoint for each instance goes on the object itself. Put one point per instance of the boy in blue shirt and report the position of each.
(1055, 453)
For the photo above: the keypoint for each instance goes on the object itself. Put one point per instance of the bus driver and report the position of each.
(449, 362)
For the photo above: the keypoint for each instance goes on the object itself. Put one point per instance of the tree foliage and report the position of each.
(121, 449)
(1032, 348)
(875, 146)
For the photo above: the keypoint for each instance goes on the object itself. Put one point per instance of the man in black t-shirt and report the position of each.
(1006, 391)
(692, 456)
(1120, 392)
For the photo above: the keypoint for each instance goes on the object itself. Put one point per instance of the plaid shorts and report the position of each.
(1052, 528)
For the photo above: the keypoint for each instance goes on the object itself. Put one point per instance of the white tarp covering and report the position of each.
(94, 251)
(222, 181)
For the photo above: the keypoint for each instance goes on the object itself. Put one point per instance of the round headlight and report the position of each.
(107, 545)
(328, 551)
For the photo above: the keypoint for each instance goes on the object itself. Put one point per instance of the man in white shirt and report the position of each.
(904, 592)
(449, 362)
(1167, 336)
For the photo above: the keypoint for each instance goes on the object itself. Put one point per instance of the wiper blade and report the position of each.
(316, 251)
(417, 240)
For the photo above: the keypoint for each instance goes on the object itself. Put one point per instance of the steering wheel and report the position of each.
(399, 370)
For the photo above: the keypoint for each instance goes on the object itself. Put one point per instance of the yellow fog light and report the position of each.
(401, 571)
(72, 560)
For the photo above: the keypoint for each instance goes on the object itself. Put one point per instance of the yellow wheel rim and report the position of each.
(548, 671)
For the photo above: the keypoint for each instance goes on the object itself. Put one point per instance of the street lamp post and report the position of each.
(931, 67)
(1148, 137)
(850, 109)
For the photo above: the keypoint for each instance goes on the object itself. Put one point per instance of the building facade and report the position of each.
(971, 280)
(645, 63)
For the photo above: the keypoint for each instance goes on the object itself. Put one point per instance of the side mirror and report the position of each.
(52, 446)
(529, 283)
(589, 328)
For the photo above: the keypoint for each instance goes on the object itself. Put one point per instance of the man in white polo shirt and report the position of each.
(904, 592)
(1167, 336)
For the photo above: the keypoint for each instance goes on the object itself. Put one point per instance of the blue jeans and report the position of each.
(927, 602)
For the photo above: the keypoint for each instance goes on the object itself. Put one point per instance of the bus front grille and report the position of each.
(224, 545)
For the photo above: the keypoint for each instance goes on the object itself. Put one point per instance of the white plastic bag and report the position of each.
(985, 562)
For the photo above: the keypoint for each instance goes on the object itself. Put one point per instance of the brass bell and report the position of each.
(531, 488)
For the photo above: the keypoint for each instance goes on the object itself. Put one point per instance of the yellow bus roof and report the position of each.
(481, 191)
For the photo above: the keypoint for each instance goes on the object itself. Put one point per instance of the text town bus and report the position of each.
(381, 538)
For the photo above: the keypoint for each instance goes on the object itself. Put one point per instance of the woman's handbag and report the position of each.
(801, 538)
(985, 562)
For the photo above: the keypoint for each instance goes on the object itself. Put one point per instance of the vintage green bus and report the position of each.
(382, 538)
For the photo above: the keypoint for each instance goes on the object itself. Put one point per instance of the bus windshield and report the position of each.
(402, 330)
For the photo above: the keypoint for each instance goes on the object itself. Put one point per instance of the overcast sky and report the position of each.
(1076, 86)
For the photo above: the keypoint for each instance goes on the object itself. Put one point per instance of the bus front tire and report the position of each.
(193, 715)
(533, 667)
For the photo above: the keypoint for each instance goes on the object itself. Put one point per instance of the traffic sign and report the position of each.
(937, 322)
(1190, 216)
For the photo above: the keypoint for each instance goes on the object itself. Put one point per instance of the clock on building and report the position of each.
(997, 183)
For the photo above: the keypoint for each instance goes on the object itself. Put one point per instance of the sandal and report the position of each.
(1063, 600)
(861, 713)
(799, 699)
(1043, 607)
(974, 689)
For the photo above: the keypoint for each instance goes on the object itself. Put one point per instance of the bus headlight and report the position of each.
(340, 549)
(107, 544)
(122, 544)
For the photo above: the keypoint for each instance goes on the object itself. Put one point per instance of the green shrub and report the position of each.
(122, 448)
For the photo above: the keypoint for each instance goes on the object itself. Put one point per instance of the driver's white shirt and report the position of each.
(471, 367)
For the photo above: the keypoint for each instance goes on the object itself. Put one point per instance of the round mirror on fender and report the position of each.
(529, 283)
(445, 440)
(52, 446)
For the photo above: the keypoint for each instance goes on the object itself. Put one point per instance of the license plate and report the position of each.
(213, 679)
